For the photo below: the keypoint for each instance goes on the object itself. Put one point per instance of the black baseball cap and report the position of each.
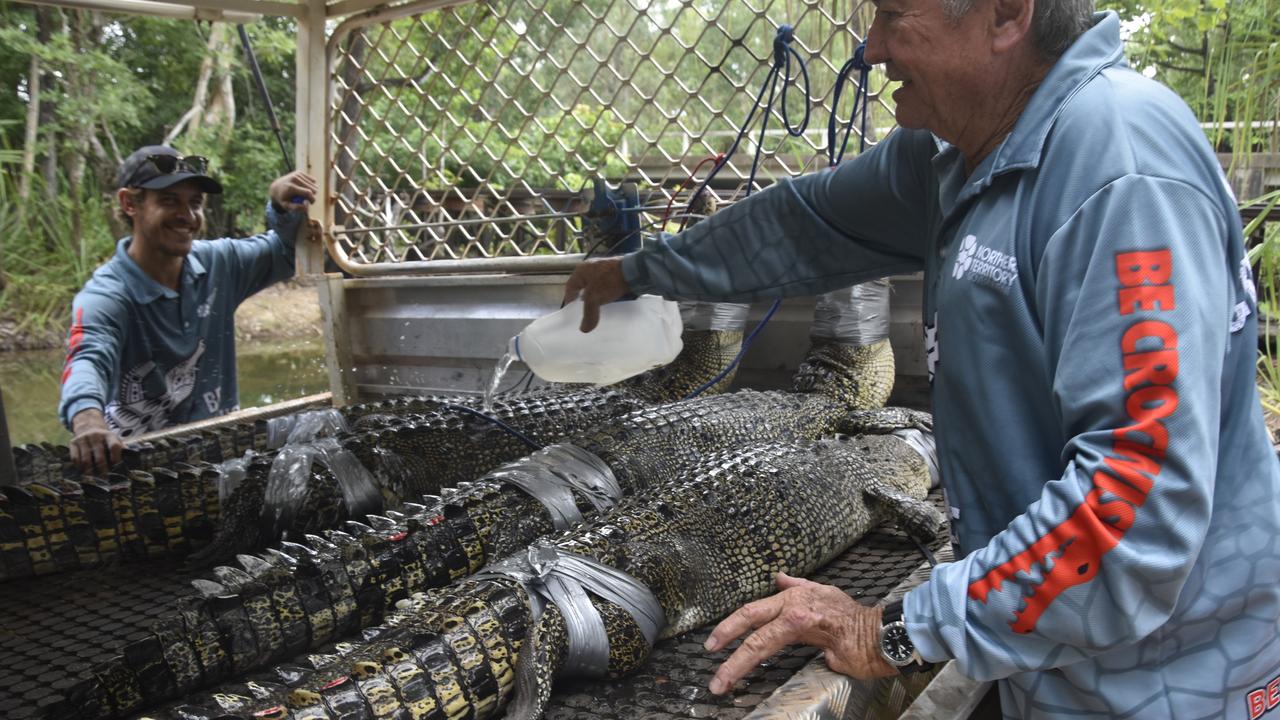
(148, 168)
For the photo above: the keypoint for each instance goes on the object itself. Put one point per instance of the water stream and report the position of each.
(495, 381)
(269, 371)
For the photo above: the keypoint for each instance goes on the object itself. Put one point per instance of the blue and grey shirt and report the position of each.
(149, 356)
(1091, 324)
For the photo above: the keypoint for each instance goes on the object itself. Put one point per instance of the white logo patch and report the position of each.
(203, 309)
(931, 346)
(984, 265)
(1242, 309)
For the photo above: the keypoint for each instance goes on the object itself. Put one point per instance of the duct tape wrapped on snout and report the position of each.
(230, 474)
(723, 317)
(923, 443)
(555, 473)
(857, 315)
(568, 581)
(304, 427)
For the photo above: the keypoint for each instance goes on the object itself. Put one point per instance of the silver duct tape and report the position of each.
(857, 315)
(568, 581)
(696, 315)
(553, 474)
(923, 443)
(544, 487)
(291, 473)
(304, 427)
(230, 473)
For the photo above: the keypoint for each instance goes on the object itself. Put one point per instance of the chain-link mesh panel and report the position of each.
(470, 132)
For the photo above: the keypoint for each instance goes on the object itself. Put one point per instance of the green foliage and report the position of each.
(1221, 56)
(125, 81)
(44, 263)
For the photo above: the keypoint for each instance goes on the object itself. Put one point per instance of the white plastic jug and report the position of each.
(633, 336)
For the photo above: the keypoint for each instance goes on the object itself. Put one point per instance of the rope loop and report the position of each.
(782, 43)
(857, 64)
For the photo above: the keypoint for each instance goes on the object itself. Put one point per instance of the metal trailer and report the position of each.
(452, 141)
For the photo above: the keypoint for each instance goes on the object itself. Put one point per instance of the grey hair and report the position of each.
(1054, 26)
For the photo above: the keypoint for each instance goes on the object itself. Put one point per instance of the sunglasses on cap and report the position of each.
(169, 164)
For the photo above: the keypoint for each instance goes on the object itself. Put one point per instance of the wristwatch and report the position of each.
(895, 644)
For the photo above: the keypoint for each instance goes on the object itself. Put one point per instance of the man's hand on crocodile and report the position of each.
(805, 613)
(93, 444)
(597, 282)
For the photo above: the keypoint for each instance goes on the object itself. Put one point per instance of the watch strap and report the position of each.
(892, 613)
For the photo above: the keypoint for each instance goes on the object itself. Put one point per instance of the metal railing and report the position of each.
(461, 138)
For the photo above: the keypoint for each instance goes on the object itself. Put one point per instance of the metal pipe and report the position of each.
(266, 96)
(377, 13)
(495, 220)
(172, 10)
(530, 264)
(8, 471)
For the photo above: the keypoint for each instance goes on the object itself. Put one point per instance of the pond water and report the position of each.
(269, 371)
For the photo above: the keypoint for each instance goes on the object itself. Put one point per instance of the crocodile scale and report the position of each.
(703, 546)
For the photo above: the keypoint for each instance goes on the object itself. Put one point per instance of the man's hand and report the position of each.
(93, 444)
(597, 282)
(805, 613)
(290, 191)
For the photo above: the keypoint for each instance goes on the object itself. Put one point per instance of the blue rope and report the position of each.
(860, 99)
(741, 351)
(782, 55)
(489, 418)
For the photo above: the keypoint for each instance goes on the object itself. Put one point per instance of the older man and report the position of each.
(152, 339)
(1090, 319)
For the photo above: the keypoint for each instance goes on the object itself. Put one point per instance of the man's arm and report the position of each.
(1129, 515)
(1135, 297)
(866, 219)
(93, 352)
(266, 259)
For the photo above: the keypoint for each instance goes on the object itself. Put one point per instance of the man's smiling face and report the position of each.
(167, 220)
(938, 59)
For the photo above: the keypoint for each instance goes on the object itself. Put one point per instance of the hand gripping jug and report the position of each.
(633, 336)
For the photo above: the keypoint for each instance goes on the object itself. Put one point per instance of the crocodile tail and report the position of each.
(536, 666)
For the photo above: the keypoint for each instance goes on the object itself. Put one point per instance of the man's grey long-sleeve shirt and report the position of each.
(149, 356)
(1091, 325)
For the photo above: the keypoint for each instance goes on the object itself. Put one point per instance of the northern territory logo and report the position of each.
(983, 265)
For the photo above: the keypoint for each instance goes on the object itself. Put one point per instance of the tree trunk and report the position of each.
(79, 136)
(213, 107)
(29, 138)
(49, 21)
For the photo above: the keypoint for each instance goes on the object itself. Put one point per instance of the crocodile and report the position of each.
(705, 354)
(350, 579)
(683, 555)
(431, 440)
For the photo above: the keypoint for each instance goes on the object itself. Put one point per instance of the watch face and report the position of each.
(896, 644)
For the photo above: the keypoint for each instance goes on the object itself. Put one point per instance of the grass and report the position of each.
(43, 261)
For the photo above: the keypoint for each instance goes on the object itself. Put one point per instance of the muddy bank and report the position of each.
(286, 311)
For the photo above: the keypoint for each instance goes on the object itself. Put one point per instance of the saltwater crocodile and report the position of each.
(705, 354)
(671, 561)
(342, 581)
(55, 523)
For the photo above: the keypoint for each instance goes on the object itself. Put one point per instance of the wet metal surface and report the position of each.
(54, 628)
